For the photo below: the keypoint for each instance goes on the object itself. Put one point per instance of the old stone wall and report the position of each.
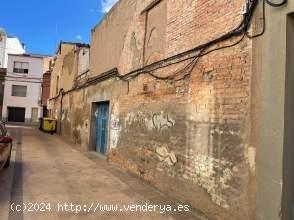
(189, 137)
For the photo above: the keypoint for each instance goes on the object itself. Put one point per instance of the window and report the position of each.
(21, 67)
(19, 91)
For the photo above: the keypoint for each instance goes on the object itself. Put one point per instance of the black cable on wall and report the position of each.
(240, 31)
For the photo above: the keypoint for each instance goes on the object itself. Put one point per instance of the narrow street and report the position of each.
(46, 173)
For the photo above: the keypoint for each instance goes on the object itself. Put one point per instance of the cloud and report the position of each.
(79, 37)
(106, 5)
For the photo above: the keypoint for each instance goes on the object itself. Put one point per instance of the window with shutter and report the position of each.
(21, 67)
(19, 91)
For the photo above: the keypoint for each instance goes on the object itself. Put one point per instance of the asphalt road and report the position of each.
(51, 179)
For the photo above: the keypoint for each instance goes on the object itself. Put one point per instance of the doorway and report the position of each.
(34, 117)
(16, 114)
(102, 118)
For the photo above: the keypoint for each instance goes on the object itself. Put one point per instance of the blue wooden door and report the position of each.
(102, 127)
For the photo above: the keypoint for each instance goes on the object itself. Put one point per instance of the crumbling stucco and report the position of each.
(189, 132)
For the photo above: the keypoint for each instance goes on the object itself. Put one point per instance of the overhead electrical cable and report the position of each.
(199, 51)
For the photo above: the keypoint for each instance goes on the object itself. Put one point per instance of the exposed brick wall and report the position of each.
(189, 138)
(195, 22)
(203, 122)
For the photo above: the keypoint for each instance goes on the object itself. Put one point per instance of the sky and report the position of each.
(42, 24)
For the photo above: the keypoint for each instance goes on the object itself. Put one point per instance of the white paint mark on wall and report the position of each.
(205, 174)
(166, 156)
(115, 126)
(250, 157)
(115, 129)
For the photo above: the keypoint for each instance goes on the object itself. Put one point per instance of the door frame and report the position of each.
(93, 128)
(34, 108)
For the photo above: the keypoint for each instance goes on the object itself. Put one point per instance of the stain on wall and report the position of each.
(188, 137)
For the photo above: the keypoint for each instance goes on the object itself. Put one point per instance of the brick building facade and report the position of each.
(179, 112)
(45, 92)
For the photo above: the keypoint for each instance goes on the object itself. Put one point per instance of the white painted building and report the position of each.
(3, 38)
(8, 45)
(22, 92)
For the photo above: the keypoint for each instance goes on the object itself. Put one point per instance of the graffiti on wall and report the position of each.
(115, 129)
(162, 121)
(151, 121)
(114, 124)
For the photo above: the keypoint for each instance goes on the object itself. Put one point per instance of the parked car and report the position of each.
(5, 147)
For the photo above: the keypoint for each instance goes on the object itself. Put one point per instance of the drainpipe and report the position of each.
(61, 92)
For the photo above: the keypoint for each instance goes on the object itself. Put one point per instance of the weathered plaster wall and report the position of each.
(193, 133)
(109, 36)
(69, 70)
(288, 154)
(58, 65)
(175, 24)
(190, 137)
(271, 87)
(76, 117)
(83, 61)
